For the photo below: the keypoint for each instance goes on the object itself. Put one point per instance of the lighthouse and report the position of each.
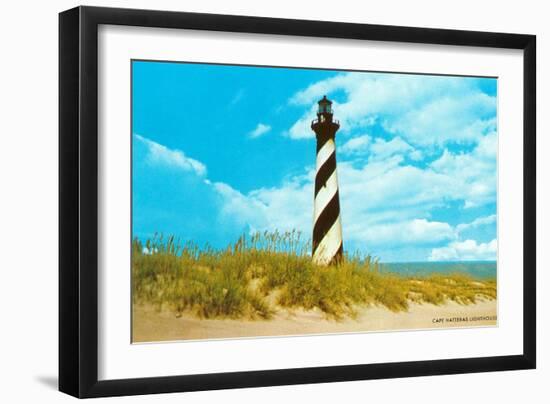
(327, 245)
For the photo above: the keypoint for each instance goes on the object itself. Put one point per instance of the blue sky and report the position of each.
(221, 150)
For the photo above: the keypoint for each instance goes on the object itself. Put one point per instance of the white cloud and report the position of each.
(428, 115)
(385, 204)
(465, 250)
(356, 145)
(398, 233)
(378, 148)
(315, 92)
(301, 129)
(383, 185)
(447, 119)
(416, 155)
(158, 154)
(423, 110)
(287, 207)
(260, 130)
(383, 149)
(370, 223)
(239, 209)
(473, 174)
(480, 221)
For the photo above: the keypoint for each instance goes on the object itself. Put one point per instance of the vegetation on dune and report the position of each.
(258, 273)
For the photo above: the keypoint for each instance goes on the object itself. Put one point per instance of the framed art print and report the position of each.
(251, 201)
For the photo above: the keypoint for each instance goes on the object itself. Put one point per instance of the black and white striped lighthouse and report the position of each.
(327, 245)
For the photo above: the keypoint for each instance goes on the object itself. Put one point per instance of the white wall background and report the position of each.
(28, 202)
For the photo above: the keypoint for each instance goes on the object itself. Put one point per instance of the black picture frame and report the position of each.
(78, 201)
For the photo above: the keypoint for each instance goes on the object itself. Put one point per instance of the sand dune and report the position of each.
(150, 325)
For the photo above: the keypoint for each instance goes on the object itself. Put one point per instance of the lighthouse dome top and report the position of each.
(325, 106)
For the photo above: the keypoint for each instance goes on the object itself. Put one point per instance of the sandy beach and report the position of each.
(151, 325)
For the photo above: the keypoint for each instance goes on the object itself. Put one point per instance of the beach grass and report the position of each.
(265, 272)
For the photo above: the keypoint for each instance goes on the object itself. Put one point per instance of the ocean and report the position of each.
(476, 269)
